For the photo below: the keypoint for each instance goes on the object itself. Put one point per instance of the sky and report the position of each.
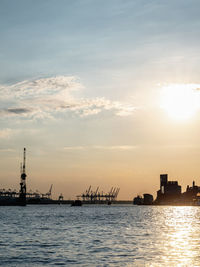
(101, 93)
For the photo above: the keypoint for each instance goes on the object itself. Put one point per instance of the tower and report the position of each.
(22, 192)
(163, 182)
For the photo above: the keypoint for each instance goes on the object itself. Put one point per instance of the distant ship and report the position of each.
(39, 198)
(6, 199)
(12, 198)
(76, 203)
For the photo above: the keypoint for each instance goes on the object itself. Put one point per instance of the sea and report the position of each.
(99, 235)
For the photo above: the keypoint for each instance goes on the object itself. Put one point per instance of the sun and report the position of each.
(180, 101)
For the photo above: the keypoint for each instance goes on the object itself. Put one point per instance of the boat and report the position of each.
(76, 203)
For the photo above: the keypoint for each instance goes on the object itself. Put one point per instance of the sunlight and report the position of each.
(180, 101)
(180, 236)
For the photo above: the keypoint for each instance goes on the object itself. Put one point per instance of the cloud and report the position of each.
(7, 150)
(98, 147)
(119, 147)
(17, 110)
(46, 97)
(5, 133)
(74, 148)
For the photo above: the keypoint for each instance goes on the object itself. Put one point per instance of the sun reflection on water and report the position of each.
(179, 244)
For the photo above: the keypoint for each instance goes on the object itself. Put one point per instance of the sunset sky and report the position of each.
(102, 93)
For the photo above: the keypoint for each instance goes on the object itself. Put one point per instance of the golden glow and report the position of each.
(179, 236)
(182, 234)
(180, 101)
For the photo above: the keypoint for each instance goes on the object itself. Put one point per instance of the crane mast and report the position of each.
(22, 193)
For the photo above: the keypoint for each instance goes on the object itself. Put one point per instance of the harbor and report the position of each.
(170, 193)
(25, 197)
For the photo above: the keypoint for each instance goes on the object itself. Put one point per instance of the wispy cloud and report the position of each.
(17, 110)
(7, 150)
(46, 97)
(99, 147)
(75, 147)
(5, 133)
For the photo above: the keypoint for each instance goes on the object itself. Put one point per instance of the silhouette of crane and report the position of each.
(99, 197)
(22, 192)
(48, 194)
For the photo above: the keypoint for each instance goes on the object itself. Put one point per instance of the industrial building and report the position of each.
(169, 192)
(191, 194)
(147, 199)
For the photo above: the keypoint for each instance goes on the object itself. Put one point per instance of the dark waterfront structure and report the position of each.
(22, 192)
(192, 194)
(22, 197)
(170, 191)
(170, 194)
(97, 197)
(39, 198)
(77, 203)
(147, 199)
(14, 198)
(138, 200)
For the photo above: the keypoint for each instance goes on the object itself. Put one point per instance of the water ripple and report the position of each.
(99, 236)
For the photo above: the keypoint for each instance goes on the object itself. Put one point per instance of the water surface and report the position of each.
(97, 235)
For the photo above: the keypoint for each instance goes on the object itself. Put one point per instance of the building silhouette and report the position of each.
(169, 192)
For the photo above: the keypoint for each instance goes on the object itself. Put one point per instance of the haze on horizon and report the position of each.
(101, 93)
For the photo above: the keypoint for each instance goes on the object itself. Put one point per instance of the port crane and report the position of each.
(48, 194)
(22, 192)
(99, 197)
